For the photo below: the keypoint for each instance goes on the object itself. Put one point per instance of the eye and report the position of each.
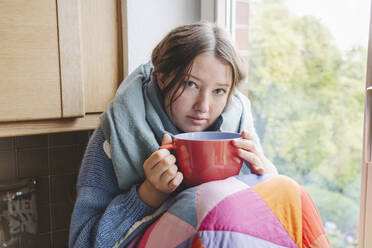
(220, 91)
(191, 84)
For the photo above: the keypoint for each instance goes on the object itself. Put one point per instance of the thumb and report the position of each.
(167, 139)
(246, 135)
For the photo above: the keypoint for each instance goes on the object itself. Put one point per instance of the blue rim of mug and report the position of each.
(207, 136)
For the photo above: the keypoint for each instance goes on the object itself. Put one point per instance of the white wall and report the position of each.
(150, 20)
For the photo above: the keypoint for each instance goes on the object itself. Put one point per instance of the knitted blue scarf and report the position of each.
(135, 123)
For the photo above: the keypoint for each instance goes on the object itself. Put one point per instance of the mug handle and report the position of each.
(168, 147)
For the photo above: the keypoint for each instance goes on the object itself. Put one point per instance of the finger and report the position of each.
(258, 171)
(167, 139)
(246, 135)
(176, 181)
(162, 166)
(245, 144)
(253, 160)
(237, 160)
(168, 174)
(155, 158)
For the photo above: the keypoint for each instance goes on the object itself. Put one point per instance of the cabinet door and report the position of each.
(102, 51)
(29, 60)
(58, 59)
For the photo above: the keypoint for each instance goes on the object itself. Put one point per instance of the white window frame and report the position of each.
(220, 12)
(365, 219)
(223, 13)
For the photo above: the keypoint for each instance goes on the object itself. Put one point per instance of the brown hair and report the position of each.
(174, 55)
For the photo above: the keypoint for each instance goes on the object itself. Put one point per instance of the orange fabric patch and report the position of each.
(196, 243)
(313, 231)
(282, 196)
(321, 242)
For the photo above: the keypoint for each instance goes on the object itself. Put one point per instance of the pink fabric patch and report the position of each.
(210, 194)
(169, 231)
(146, 236)
(246, 212)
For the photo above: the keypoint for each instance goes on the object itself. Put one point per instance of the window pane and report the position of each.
(306, 78)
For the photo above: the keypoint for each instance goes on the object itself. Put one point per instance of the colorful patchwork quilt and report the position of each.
(243, 211)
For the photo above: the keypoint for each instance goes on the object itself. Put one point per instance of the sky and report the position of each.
(348, 20)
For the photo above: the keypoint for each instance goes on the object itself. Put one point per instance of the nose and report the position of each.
(202, 103)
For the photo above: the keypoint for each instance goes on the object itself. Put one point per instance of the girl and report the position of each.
(189, 85)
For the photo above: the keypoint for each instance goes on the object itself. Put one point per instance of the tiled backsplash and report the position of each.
(54, 160)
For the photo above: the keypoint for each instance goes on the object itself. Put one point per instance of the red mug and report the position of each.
(205, 156)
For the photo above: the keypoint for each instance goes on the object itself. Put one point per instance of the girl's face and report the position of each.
(205, 95)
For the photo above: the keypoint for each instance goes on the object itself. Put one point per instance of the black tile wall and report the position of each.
(61, 215)
(58, 238)
(60, 139)
(31, 141)
(54, 160)
(43, 189)
(62, 164)
(44, 240)
(32, 162)
(7, 165)
(6, 143)
(62, 188)
(44, 213)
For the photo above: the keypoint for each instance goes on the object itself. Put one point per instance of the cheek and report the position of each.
(219, 105)
(181, 104)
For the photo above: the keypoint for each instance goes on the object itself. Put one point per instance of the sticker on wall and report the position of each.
(18, 213)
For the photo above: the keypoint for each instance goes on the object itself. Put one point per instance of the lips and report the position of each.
(197, 120)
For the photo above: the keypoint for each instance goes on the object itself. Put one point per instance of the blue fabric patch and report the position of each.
(187, 243)
(253, 179)
(184, 206)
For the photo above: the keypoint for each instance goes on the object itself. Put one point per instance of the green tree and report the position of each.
(307, 98)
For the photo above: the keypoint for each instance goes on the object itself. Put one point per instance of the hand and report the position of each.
(248, 151)
(162, 176)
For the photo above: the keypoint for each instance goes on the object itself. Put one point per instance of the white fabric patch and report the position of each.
(107, 148)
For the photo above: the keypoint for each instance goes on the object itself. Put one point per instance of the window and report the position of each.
(307, 63)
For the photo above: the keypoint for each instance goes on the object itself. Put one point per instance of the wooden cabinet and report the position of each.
(29, 60)
(58, 59)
